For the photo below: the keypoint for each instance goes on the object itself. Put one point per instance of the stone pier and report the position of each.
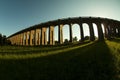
(100, 32)
(60, 34)
(81, 32)
(92, 36)
(43, 36)
(51, 35)
(70, 29)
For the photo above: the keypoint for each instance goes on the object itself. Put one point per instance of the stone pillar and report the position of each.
(70, 29)
(43, 36)
(12, 40)
(30, 38)
(60, 34)
(119, 32)
(32, 35)
(51, 35)
(16, 39)
(17, 36)
(81, 32)
(110, 31)
(26, 38)
(105, 29)
(92, 36)
(100, 32)
(21, 37)
(37, 35)
(114, 31)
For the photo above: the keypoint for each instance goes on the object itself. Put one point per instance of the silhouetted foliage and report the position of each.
(86, 37)
(4, 41)
(75, 39)
(56, 42)
(0, 39)
(66, 41)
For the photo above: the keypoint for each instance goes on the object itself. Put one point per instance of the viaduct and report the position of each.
(36, 35)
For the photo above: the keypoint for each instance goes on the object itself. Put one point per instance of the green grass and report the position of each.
(90, 61)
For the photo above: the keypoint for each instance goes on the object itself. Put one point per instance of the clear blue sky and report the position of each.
(16, 15)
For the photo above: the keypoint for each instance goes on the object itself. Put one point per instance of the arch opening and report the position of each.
(95, 30)
(56, 34)
(86, 31)
(76, 32)
(47, 35)
(66, 33)
(103, 29)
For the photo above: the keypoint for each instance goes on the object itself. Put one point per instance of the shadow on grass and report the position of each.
(92, 62)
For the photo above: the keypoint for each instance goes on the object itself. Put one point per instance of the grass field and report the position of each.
(90, 61)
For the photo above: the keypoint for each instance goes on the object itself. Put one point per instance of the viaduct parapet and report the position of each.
(36, 35)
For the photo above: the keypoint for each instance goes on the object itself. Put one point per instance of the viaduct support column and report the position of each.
(18, 39)
(24, 41)
(27, 38)
(81, 32)
(118, 32)
(109, 31)
(22, 38)
(39, 36)
(51, 35)
(60, 34)
(105, 29)
(100, 32)
(92, 36)
(37, 42)
(43, 36)
(70, 27)
(35, 37)
(30, 38)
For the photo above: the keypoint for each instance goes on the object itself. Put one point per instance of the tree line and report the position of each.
(3, 40)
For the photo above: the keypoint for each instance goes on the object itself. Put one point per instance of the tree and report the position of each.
(4, 40)
(66, 41)
(86, 37)
(75, 39)
(0, 39)
(56, 42)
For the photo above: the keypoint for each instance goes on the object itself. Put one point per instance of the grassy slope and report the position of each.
(94, 61)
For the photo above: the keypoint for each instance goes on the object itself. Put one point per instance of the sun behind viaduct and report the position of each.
(36, 35)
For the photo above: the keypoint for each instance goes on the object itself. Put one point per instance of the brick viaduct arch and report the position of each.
(36, 35)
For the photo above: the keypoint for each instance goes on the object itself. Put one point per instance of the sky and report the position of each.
(16, 15)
